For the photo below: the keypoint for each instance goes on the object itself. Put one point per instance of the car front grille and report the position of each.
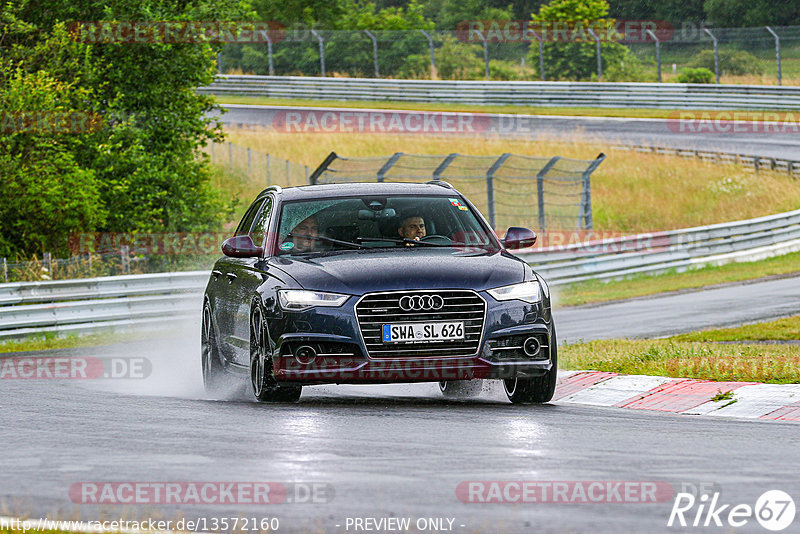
(377, 309)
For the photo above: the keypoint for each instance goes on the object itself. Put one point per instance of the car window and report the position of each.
(261, 226)
(247, 221)
(376, 222)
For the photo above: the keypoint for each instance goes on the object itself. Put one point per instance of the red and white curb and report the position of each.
(688, 396)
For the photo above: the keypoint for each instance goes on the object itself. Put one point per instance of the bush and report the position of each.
(700, 75)
(734, 62)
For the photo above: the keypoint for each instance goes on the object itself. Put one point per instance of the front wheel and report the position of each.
(536, 390)
(215, 381)
(265, 387)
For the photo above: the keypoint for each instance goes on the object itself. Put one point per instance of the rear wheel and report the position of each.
(265, 387)
(215, 380)
(536, 390)
(461, 389)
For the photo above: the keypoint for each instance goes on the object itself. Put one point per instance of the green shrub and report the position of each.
(734, 62)
(700, 75)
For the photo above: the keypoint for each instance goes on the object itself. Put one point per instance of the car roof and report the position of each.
(434, 188)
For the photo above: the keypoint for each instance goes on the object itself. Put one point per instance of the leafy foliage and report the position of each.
(699, 75)
(731, 61)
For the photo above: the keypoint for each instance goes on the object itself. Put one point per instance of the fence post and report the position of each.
(230, 156)
(269, 173)
(374, 51)
(219, 62)
(541, 53)
(599, 57)
(443, 165)
(430, 45)
(306, 168)
(586, 196)
(5, 270)
(490, 186)
(716, 53)
(47, 266)
(777, 51)
(485, 52)
(269, 53)
(388, 165)
(212, 152)
(249, 163)
(321, 51)
(125, 256)
(288, 178)
(658, 52)
(540, 191)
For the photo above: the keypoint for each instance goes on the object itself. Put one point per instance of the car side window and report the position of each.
(259, 232)
(247, 220)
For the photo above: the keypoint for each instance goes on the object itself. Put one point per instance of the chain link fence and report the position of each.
(510, 50)
(511, 189)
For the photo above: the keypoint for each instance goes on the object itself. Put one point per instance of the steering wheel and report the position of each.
(438, 239)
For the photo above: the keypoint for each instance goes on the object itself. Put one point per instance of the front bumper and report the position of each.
(343, 359)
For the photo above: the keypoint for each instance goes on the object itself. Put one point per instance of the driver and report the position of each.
(307, 227)
(412, 226)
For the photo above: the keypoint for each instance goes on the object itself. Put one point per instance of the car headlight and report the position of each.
(300, 299)
(526, 292)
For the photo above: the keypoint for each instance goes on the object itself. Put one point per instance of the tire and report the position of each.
(215, 380)
(265, 387)
(461, 389)
(535, 390)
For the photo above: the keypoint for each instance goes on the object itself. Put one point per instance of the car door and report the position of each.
(247, 275)
(230, 288)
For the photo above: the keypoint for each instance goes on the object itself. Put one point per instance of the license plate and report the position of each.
(409, 332)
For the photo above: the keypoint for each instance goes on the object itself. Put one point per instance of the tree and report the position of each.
(139, 168)
(575, 58)
(738, 13)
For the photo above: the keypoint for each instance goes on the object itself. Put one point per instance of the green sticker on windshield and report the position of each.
(286, 246)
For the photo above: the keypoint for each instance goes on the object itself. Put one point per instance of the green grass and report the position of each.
(686, 356)
(595, 291)
(51, 341)
(421, 106)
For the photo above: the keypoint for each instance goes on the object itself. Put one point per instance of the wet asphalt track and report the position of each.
(397, 450)
(778, 142)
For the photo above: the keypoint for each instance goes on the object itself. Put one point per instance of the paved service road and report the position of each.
(776, 143)
(391, 451)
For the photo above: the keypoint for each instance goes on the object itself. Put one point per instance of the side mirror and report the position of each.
(517, 238)
(241, 246)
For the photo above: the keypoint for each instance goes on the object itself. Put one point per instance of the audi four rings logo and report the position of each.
(421, 302)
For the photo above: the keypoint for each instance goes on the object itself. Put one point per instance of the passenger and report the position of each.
(307, 227)
(412, 226)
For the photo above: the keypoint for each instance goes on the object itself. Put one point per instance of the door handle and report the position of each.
(231, 277)
(215, 273)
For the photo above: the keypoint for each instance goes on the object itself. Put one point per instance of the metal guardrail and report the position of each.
(791, 167)
(561, 94)
(94, 304)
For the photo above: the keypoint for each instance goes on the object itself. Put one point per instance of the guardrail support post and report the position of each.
(374, 51)
(540, 176)
(490, 186)
(777, 51)
(716, 53)
(658, 52)
(430, 46)
(321, 51)
(5, 270)
(599, 56)
(485, 52)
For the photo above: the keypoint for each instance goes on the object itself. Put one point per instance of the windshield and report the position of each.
(380, 222)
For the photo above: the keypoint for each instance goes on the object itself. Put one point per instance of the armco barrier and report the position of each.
(157, 299)
(567, 94)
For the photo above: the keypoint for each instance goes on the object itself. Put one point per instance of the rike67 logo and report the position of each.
(774, 510)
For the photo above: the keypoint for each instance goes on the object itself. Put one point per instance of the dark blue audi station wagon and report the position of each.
(375, 283)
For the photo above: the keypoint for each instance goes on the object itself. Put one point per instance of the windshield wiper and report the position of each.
(328, 240)
(404, 241)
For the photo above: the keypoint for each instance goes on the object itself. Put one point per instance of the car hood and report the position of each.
(364, 271)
